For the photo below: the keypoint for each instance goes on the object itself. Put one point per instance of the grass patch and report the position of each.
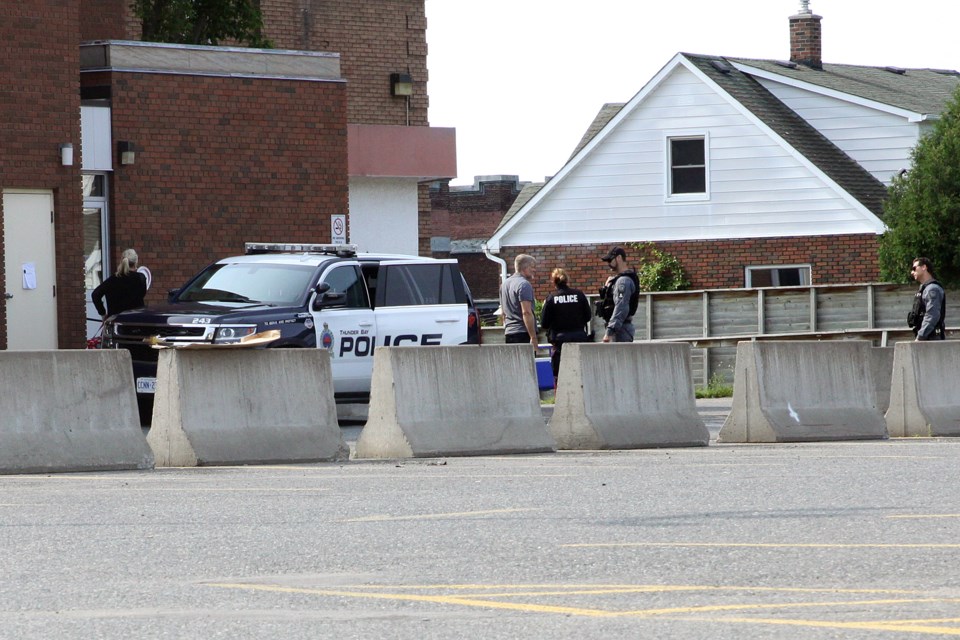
(716, 388)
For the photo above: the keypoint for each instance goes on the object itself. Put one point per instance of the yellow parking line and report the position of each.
(780, 605)
(431, 516)
(919, 621)
(764, 545)
(454, 600)
(862, 626)
(639, 588)
(483, 601)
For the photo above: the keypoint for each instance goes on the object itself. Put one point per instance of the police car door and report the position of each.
(420, 303)
(347, 331)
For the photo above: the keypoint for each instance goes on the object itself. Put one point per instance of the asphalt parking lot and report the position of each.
(817, 540)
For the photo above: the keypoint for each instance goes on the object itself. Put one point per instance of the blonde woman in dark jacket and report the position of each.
(124, 290)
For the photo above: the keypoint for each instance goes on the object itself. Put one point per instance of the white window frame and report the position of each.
(805, 269)
(668, 138)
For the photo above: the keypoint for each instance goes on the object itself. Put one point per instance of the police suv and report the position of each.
(323, 296)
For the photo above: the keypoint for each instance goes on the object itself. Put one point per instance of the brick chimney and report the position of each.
(805, 37)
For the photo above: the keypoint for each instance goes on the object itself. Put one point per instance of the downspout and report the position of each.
(503, 263)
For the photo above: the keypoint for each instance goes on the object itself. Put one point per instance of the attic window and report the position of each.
(687, 167)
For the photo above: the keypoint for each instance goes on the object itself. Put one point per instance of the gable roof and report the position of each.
(604, 116)
(916, 94)
(802, 136)
(921, 91)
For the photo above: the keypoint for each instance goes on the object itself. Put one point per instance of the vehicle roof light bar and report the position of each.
(340, 250)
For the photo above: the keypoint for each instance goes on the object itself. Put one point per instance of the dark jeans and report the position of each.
(516, 338)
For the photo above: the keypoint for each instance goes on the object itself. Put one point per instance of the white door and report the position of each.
(29, 263)
(348, 332)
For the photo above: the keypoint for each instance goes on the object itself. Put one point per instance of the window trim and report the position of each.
(669, 137)
(759, 267)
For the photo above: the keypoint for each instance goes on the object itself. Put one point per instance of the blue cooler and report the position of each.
(544, 370)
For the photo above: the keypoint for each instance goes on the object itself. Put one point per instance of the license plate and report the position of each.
(146, 385)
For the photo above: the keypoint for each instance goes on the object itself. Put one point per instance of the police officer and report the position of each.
(565, 315)
(619, 297)
(926, 318)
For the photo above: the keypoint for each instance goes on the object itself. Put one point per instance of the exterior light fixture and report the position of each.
(401, 84)
(128, 153)
(66, 154)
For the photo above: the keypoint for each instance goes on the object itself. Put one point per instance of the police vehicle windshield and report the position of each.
(250, 283)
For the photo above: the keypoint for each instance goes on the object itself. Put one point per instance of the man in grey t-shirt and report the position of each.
(516, 302)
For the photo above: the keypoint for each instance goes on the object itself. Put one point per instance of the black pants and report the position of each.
(558, 341)
(516, 338)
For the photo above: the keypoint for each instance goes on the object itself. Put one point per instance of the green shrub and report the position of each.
(657, 270)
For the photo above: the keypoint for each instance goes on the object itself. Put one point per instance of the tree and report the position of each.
(658, 271)
(207, 22)
(922, 210)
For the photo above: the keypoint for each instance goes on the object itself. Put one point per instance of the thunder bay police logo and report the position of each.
(326, 338)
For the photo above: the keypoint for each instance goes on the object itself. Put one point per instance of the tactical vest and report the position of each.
(606, 303)
(919, 309)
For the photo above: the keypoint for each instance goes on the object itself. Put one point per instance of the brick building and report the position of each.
(222, 154)
(40, 184)
(185, 152)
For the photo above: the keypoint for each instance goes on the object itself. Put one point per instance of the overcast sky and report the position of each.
(521, 80)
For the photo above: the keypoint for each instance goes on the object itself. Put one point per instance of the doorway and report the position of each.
(30, 267)
(96, 246)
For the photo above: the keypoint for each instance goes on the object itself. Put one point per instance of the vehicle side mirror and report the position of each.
(172, 295)
(326, 298)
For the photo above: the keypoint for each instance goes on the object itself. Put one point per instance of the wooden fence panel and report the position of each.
(842, 308)
(786, 311)
(733, 312)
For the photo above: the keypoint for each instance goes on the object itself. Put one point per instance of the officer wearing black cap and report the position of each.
(619, 298)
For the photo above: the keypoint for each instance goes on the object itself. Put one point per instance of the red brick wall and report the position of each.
(374, 39)
(462, 214)
(715, 264)
(39, 110)
(108, 20)
(223, 161)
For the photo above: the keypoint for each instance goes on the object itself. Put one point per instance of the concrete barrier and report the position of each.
(453, 401)
(256, 406)
(803, 391)
(69, 411)
(626, 396)
(923, 391)
(881, 364)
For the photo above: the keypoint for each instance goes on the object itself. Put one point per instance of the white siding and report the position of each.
(383, 215)
(880, 142)
(95, 138)
(758, 188)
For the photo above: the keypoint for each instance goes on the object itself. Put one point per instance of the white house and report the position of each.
(751, 172)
